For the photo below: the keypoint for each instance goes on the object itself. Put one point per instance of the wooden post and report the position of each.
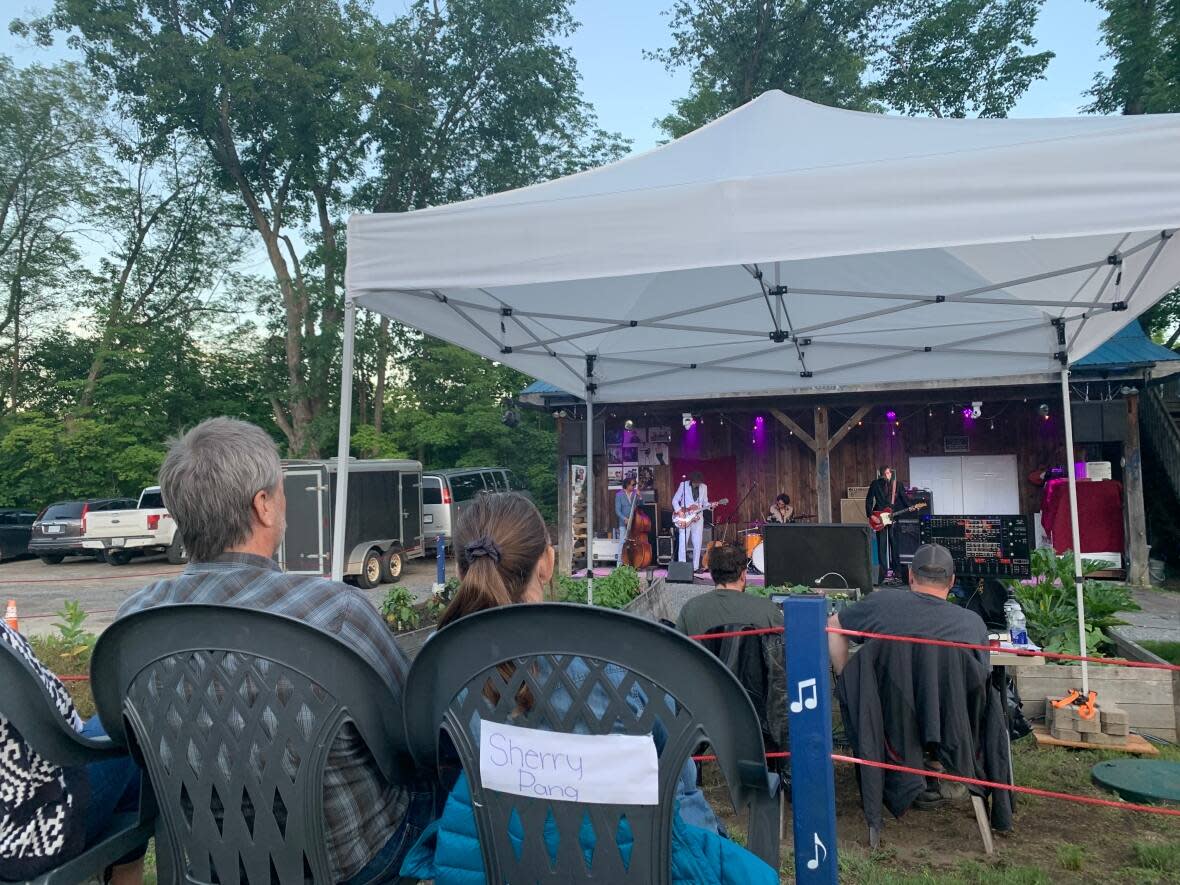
(1136, 544)
(823, 467)
(565, 522)
(822, 445)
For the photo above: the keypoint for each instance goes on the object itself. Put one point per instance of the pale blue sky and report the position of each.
(629, 92)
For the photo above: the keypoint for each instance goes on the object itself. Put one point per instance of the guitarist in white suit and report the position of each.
(886, 491)
(692, 493)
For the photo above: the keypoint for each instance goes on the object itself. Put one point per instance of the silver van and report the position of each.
(446, 492)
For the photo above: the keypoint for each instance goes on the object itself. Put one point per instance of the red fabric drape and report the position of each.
(1100, 515)
(720, 476)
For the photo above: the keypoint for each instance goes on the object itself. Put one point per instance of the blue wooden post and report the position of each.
(440, 546)
(809, 697)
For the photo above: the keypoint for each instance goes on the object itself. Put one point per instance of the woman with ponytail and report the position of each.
(505, 558)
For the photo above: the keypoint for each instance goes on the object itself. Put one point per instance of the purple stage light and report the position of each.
(891, 415)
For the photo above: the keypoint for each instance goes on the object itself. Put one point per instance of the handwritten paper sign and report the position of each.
(611, 769)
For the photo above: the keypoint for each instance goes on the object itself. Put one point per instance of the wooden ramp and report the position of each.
(1135, 743)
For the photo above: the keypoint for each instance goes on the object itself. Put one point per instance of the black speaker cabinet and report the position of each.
(680, 573)
(801, 553)
(664, 549)
(907, 535)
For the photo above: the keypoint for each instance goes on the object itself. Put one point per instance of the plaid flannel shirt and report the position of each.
(361, 810)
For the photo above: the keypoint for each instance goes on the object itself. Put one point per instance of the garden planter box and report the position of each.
(411, 643)
(1148, 696)
(662, 601)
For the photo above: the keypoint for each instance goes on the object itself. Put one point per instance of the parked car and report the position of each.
(144, 529)
(16, 528)
(383, 525)
(446, 492)
(58, 529)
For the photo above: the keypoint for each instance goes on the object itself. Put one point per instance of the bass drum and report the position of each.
(758, 558)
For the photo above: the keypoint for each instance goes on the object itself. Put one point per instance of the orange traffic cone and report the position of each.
(10, 617)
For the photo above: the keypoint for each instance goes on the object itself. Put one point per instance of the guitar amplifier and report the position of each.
(924, 495)
(907, 534)
(663, 549)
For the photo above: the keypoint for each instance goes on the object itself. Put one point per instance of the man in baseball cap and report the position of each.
(921, 609)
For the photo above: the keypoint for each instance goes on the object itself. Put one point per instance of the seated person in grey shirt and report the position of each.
(921, 609)
(223, 484)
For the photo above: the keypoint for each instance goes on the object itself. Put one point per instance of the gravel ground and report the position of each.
(40, 590)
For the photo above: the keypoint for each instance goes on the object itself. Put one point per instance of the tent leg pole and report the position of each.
(343, 442)
(1079, 583)
(589, 494)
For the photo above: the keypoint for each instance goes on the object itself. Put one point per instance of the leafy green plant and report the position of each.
(1049, 601)
(614, 591)
(440, 599)
(398, 609)
(780, 590)
(72, 639)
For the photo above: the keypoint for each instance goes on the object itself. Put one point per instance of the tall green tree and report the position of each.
(947, 58)
(49, 125)
(169, 248)
(488, 100)
(279, 92)
(1142, 39)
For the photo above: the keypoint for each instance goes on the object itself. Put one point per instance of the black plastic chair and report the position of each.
(234, 713)
(688, 694)
(30, 709)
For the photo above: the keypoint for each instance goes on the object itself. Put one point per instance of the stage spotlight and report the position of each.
(628, 424)
(687, 420)
(1043, 411)
(976, 409)
(891, 415)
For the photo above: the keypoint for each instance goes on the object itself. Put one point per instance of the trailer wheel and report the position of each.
(370, 575)
(117, 557)
(391, 566)
(177, 555)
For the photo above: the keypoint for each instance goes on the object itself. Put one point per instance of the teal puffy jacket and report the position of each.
(448, 851)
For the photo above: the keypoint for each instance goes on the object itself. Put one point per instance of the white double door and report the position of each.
(969, 484)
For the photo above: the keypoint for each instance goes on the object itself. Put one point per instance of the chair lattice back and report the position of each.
(234, 713)
(574, 669)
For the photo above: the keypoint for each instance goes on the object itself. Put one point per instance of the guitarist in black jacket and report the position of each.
(886, 491)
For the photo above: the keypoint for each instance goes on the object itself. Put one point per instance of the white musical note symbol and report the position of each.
(810, 702)
(814, 863)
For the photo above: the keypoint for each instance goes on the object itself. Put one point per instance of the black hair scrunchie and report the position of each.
(483, 547)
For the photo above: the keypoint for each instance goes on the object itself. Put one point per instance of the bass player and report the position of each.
(692, 493)
(886, 491)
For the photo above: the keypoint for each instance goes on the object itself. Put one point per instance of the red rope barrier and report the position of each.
(1122, 662)
(920, 640)
(74, 677)
(91, 578)
(761, 631)
(98, 611)
(1030, 791)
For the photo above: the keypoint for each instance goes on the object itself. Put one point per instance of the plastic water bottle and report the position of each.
(1017, 626)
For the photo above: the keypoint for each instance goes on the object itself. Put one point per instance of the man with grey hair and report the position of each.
(223, 484)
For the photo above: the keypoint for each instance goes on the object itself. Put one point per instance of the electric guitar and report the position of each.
(886, 516)
(686, 516)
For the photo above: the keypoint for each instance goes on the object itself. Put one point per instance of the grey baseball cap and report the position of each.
(933, 562)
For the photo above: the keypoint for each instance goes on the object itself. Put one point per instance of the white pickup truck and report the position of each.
(123, 534)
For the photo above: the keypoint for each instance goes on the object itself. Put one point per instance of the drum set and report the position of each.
(752, 539)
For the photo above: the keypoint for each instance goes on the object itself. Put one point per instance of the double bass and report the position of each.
(637, 546)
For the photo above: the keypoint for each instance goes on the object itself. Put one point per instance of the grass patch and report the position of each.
(1071, 857)
(1169, 651)
(1163, 857)
(65, 658)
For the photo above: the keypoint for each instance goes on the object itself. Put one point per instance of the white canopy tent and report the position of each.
(792, 248)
